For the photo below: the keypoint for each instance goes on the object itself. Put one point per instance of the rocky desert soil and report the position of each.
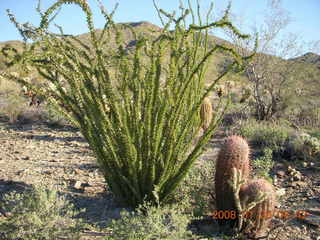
(37, 154)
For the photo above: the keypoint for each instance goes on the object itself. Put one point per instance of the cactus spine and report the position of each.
(259, 213)
(234, 155)
(206, 113)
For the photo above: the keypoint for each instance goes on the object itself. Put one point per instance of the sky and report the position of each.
(305, 14)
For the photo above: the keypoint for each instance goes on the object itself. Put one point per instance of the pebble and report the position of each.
(77, 185)
(91, 189)
(298, 184)
(281, 173)
(297, 177)
(281, 192)
(275, 180)
(48, 172)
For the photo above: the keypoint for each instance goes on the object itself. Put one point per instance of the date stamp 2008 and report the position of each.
(282, 214)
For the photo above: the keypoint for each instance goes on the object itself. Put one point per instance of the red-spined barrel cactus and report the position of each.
(206, 113)
(233, 154)
(262, 213)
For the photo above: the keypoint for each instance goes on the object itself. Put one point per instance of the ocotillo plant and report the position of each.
(233, 156)
(206, 113)
(258, 214)
(153, 93)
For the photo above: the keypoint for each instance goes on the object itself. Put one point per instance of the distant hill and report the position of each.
(151, 31)
(309, 57)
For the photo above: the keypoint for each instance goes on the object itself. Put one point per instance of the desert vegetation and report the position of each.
(193, 136)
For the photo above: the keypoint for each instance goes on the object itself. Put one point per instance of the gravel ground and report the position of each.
(37, 154)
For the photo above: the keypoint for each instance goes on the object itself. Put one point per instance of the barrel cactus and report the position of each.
(259, 213)
(206, 113)
(234, 155)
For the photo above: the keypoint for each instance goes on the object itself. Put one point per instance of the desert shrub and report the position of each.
(149, 222)
(264, 163)
(195, 191)
(8, 87)
(304, 147)
(237, 113)
(38, 214)
(315, 133)
(307, 117)
(12, 107)
(281, 140)
(30, 115)
(53, 117)
(265, 135)
(137, 107)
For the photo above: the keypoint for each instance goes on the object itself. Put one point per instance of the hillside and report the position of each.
(151, 31)
(310, 58)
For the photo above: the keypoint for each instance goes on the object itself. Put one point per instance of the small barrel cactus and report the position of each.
(233, 154)
(262, 212)
(206, 113)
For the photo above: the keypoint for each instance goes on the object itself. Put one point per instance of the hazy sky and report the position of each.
(305, 14)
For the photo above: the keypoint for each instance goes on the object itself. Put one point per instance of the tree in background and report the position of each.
(274, 77)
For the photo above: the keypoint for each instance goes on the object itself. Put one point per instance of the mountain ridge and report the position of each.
(309, 57)
(147, 28)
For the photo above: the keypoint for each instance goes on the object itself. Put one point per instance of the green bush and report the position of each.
(138, 107)
(13, 107)
(304, 147)
(150, 223)
(38, 214)
(265, 135)
(194, 193)
(264, 163)
(315, 133)
(53, 117)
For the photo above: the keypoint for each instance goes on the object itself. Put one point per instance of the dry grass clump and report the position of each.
(37, 214)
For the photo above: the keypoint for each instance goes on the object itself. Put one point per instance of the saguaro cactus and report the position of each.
(261, 213)
(233, 154)
(206, 113)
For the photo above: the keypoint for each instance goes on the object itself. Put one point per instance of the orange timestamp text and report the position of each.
(282, 214)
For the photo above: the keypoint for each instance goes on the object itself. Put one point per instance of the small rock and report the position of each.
(297, 177)
(275, 180)
(77, 171)
(311, 164)
(77, 185)
(281, 192)
(26, 158)
(299, 184)
(305, 164)
(91, 189)
(281, 173)
(48, 172)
